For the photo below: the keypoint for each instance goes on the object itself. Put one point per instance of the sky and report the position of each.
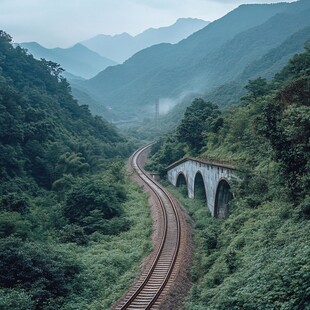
(62, 23)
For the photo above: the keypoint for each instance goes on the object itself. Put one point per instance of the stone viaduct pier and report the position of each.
(205, 180)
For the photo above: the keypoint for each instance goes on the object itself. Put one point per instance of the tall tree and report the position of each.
(198, 116)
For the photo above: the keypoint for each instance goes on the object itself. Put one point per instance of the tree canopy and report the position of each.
(56, 162)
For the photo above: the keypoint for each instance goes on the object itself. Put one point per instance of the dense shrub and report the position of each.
(13, 224)
(92, 204)
(35, 268)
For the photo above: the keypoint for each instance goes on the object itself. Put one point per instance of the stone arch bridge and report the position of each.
(206, 180)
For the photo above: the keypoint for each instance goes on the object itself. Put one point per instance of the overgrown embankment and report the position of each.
(73, 228)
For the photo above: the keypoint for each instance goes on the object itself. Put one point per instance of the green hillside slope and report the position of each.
(265, 66)
(39, 116)
(68, 215)
(257, 258)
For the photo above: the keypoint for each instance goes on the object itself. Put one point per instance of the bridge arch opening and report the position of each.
(199, 187)
(222, 198)
(182, 183)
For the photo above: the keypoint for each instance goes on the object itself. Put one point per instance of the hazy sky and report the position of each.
(64, 22)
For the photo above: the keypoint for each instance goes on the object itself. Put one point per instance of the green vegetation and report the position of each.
(258, 257)
(110, 263)
(191, 129)
(69, 270)
(73, 228)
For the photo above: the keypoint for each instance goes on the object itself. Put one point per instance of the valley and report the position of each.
(224, 109)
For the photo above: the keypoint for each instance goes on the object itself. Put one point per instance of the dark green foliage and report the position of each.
(198, 116)
(189, 136)
(43, 131)
(165, 152)
(231, 260)
(91, 203)
(35, 268)
(210, 235)
(54, 157)
(13, 224)
(16, 202)
(48, 141)
(73, 233)
(304, 208)
(286, 123)
(257, 88)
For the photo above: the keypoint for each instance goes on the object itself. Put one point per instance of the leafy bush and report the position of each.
(12, 224)
(304, 208)
(15, 202)
(111, 262)
(91, 203)
(16, 299)
(36, 269)
(73, 233)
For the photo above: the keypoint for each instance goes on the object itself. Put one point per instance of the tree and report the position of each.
(54, 68)
(286, 124)
(257, 88)
(35, 268)
(197, 118)
(5, 36)
(91, 202)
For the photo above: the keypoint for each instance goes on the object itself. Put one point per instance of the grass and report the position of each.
(111, 263)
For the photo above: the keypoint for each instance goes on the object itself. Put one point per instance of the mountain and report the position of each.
(265, 66)
(77, 60)
(277, 57)
(216, 55)
(94, 106)
(121, 47)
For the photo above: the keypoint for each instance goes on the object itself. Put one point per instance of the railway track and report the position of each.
(149, 290)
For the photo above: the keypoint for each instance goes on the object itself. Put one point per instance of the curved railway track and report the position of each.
(148, 291)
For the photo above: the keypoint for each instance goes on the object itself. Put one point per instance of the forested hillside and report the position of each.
(66, 217)
(41, 122)
(226, 51)
(258, 258)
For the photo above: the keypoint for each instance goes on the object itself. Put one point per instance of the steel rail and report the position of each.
(150, 296)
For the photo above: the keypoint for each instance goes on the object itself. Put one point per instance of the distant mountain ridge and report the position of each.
(78, 60)
(217, 54)
(123, 46)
